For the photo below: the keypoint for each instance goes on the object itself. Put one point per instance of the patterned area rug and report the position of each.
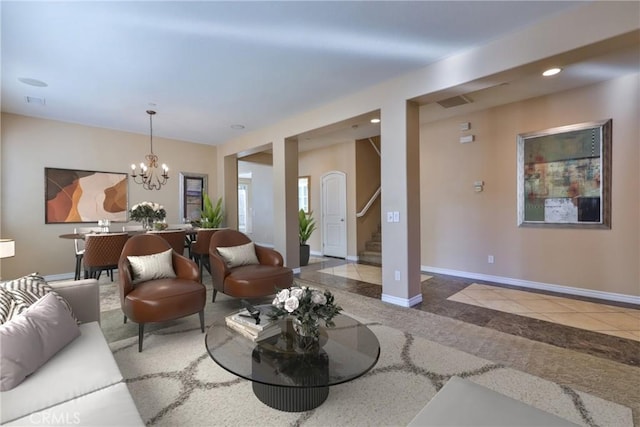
(175, 382)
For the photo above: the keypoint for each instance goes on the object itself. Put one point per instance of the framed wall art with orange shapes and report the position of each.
(75, 196)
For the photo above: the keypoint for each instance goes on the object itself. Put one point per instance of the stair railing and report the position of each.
(373, 198)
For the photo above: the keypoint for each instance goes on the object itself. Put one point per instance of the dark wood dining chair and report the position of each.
(102, 252)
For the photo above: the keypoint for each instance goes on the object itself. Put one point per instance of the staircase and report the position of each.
(373, 249)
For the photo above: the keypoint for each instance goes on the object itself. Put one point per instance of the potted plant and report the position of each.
(306, 225)
(211, 216)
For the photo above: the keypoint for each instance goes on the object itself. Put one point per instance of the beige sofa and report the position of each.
(81, 385)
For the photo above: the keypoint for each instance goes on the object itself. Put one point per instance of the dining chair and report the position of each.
(102, 252)
(176, 238)
(189, 236)
(79, 246)
(200, 248)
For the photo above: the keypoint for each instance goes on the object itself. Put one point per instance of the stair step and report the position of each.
(376, 237)
(373, 246)
(370, 257)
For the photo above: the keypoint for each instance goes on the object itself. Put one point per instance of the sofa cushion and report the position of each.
(235, 256)
(29, 340)
(83, 366)
(111, 406)
(150, 267)
(28, 289)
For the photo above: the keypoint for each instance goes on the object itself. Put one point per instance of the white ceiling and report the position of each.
(209, 65)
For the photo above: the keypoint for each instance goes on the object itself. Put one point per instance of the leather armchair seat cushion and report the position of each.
(257, 280)
(164, 299)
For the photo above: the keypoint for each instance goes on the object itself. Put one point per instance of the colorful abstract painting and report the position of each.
(564, 175)
(84, 196)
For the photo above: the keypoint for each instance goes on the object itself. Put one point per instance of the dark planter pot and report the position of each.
(305, 250)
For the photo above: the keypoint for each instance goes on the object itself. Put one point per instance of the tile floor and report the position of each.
(548, 320)
(598, 317)
(361, 272)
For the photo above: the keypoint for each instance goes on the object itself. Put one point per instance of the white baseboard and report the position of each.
(353, 258)
(403, 302)
(609, 296)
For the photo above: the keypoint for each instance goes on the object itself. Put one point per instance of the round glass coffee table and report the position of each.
(288, 378)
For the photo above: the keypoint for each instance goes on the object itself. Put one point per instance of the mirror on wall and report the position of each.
(193, 186)
(303, 193)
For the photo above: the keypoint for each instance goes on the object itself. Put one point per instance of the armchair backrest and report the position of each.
(226, 238)
(138, 245)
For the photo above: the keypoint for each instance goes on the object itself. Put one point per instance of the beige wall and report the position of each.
(29, 145)
(460, 228)
(315, 163)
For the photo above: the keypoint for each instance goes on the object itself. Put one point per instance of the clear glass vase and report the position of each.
(307, 334)
(147, 223)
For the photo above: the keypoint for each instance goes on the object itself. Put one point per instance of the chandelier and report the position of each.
(149, 174)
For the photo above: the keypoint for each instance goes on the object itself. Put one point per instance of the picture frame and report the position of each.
(80, 196)
(564, 176)
(193, 186)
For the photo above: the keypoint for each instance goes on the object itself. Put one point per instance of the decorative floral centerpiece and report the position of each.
(147, 213)
(307, 307)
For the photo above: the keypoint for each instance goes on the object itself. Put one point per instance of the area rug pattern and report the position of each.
(175, 382)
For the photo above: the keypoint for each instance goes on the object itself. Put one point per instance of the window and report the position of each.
(244, 205)
(303, 193)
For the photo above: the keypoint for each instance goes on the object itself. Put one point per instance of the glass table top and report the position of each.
(346, 352)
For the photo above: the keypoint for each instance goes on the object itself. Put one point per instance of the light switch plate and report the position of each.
(389, 216)
(396, 216)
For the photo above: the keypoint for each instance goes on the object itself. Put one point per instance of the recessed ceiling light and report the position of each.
(376, 120)
(551, 72)
(237, 127)
(32, 82)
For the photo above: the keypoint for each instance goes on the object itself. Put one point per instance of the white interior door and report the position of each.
(334, 214)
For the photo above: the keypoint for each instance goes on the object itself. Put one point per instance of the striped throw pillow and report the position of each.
(24, 292)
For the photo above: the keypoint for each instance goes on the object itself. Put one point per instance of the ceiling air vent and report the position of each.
(455, 101)
(34, 100)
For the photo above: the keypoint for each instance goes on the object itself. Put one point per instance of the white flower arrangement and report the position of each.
(148, 211)
(305, 304)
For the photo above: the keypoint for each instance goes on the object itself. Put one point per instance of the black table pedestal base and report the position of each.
(291, 399)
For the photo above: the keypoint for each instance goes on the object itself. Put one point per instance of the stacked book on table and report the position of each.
(243, 323)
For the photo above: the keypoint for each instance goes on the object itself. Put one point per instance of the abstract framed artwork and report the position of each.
(564, 176)
(73, 196)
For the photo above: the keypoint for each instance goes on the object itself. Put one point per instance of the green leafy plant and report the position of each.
(211, 216)
(306, 226)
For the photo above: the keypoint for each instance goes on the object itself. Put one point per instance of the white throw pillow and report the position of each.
(236, 256)
(150, 267)
(30, 339)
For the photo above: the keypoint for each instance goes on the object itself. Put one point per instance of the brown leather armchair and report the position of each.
(159, 300)
(246, 281)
